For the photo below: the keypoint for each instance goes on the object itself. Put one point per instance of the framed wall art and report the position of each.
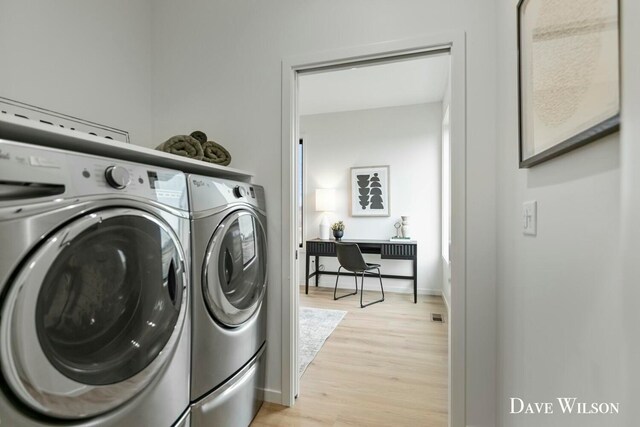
(569, 75)
(370, 191)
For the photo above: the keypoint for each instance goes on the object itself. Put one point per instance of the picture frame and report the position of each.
(568, 76)
(370, 191)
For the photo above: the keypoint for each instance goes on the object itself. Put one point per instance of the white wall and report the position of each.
(408, 140)
(87, 59)
(217, 67)
(559, 316)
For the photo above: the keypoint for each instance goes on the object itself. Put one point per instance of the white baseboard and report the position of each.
(432, 292)
(387, 288)
(273, 396)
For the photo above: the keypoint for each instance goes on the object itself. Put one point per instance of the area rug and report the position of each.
(316, 324)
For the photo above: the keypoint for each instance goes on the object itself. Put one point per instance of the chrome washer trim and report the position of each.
(21, 357)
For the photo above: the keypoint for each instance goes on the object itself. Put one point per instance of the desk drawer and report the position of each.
(321, 248)
(398, 251)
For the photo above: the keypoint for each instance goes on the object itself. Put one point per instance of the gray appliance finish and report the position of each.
(229, 280)
(94, 290)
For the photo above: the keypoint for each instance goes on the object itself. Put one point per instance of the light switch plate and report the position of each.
(530, 218)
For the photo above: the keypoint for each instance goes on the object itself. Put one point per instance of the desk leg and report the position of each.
(306, 276)
(415, 280)
(317, 270)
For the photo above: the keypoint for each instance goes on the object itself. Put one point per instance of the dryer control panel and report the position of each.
(31, 173)
(210, 193)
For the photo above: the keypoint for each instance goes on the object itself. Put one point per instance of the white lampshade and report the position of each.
(325, 199)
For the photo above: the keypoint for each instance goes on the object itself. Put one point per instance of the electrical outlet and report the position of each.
(530, 218)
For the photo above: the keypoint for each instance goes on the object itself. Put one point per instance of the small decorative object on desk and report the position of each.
(405, 226)
(398, 238)
(338, 229)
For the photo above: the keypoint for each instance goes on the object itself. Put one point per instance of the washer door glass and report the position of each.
(235, 272)
(109, 302)
(106, 296)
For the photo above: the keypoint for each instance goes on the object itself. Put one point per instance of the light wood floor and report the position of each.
(384, 365)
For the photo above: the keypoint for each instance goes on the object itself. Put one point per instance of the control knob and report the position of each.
(117, 177)
(239, 191)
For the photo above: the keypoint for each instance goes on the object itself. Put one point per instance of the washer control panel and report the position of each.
(210, 193)
(25, 166)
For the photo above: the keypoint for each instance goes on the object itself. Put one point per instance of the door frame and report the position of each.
(455, 42)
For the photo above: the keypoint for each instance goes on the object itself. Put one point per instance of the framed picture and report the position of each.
(569, 75)
(370, 191)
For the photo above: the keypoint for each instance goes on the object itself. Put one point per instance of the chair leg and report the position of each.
(362, 291)
(335, 289)
(381, 288)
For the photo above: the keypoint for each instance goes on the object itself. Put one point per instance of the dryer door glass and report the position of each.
(110, 300)
(236, 268)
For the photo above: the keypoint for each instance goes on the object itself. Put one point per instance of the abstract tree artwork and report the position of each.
(370, 191)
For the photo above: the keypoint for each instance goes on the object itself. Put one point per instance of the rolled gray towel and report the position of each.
(216, 153)
(200, 136)
(183, 145)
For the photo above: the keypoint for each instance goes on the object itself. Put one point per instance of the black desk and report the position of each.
(386, 249)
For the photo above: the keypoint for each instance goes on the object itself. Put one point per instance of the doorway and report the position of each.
(293, 69)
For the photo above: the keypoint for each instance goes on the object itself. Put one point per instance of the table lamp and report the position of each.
(325, 202)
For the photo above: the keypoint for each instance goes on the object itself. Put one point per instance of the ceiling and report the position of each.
(407, 82)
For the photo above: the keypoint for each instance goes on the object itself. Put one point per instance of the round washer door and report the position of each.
(235, 268)
(94, 313)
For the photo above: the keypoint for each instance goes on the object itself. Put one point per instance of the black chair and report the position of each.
(350, 258)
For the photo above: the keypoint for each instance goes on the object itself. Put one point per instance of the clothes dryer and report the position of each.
(229, 281)
(94, 291)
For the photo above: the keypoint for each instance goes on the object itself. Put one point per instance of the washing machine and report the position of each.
(229, 280)
(94, 291)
